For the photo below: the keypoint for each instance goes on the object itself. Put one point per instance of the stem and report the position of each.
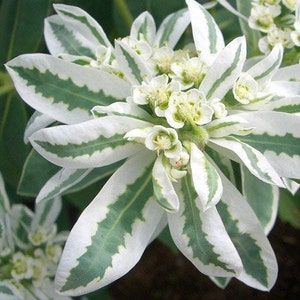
(124, 11)
(6, 84)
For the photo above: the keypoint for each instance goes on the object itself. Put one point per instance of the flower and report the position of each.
(28, 269)
(168, 135)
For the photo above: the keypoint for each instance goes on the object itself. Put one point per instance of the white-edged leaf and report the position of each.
(113, 231)
(231, 9)
(94, 143)
(163, 188)
(221, 282)
(83, 23)
(291, 185)
(259, 261)
(284, 104)
(276, 135)
(229, 64)
(4, 201)
(144, 28)
(228, 125)
(263, 71)
(123, 109)
(36, 122)
(288, 73)
(131, 63)
(206, 180)
(262, 197)
(62, 39)
(254, 160)
(201, 236)
(8, 291)
(285, 88)
(64, 91)
(172, 28)
(46, 213)
(207, 35)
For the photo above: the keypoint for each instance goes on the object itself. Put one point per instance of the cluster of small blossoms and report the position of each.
(29, 252)
(278, 21)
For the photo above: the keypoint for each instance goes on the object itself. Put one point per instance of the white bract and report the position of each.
(166, 125)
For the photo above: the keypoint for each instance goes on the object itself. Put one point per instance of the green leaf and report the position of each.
(36, 172)
(289, 208)
(114, 230)
(259, 262)
(95, 143)
(20, 19)
(62, 90)
(262, 197)
(201, 236)
(13, 151)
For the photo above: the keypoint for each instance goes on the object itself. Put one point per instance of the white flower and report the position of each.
(188, 108)
(21, 266)
(163, 139)
(245, 89)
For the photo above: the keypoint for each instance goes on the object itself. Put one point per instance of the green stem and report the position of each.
(124, 11)
(6, 84)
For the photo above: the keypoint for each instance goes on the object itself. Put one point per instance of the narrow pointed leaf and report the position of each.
(201, 236)
(132, 64)
(9, 292)
(112, 232)
(61, 38)
(241, 152)
(71, 180)
(172, 28)
(163, 187)
(262, 197)
(276, 135)
(207, 35)
(91, 144)
(289, 105)
(143, 27)
(229, 64)
(4, 201)
(83, 23)
(259, 262)
(62, 90)
(206, 180)
(265, 68)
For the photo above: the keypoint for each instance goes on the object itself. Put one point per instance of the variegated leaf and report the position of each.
(285, 88)
(10, 292)
(46, 213)
(221, 282)
(259, 262)
(36, 122)
(163, 187)
(4, 201)
(113, 231)
(201, 236)
(228, 125)
(206, 180)
(276, 135)
(172, 28)
(229, 64)
(21, 218)
(289, 105)
(207, 35)
(262, 197)
(82, 23)
(123, 109)
(90, 144)
(131, 63)
(71, 180)
(243, 153)
(144, 28)
(64, 91)
(61, 39)
(266, 67)
(288, 73)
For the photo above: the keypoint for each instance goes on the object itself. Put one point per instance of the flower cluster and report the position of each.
(171, 126)
(30, 248)
(278, 21)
